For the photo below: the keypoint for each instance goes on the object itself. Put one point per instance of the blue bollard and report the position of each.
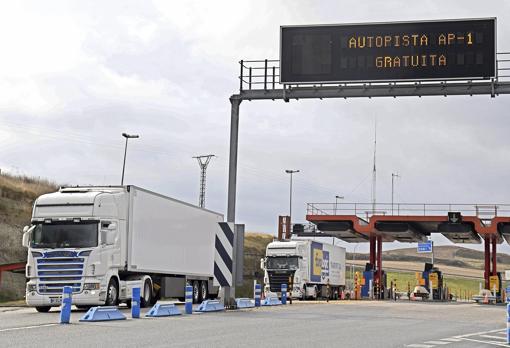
(135, 303)
(65, 308)
(258, 291)
(284, 294)
(508, 323)
(188, 307)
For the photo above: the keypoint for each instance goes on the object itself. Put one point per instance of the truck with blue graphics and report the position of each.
(309, 266)
(104, 241)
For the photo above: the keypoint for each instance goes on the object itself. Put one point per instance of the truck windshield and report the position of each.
(282, 262)
(65, 235)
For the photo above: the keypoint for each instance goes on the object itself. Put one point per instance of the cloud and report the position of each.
(74, 76)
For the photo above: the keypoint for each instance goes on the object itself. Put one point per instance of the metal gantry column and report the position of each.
(494, 260)
(379, 264)
(235, 101)
(487, 255)
(372, 249)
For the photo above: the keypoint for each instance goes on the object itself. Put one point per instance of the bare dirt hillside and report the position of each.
(17, 194)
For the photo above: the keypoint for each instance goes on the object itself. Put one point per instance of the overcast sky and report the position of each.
(75, 75)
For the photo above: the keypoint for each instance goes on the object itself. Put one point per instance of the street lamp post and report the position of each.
(127, 136)
(289, 171)
(393, 176)
(336, 201)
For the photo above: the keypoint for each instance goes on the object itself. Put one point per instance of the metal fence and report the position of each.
(365, 210)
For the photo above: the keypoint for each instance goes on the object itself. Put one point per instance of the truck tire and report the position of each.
(196, 291)
(146, 297)
(204, 294)
(42, 309)
(83, 308)
(112, 293)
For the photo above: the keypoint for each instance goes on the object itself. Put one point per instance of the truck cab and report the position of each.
(285, 263)
(75, 240)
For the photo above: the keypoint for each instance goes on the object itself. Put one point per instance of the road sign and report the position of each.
(434, 280)
(494, 283)
(454, 217)
(425, 247)
(418, 50)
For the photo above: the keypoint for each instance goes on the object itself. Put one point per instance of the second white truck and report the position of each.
(310, 266)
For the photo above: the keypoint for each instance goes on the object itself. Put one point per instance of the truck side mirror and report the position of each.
(262, 264)
(26, 236)
(108, 237)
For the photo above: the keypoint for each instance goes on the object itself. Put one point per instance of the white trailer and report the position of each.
(309, 265)
(103, 241)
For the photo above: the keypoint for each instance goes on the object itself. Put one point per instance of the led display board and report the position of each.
(427, 50)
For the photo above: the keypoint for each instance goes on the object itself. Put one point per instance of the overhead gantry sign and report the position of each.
(434, 58)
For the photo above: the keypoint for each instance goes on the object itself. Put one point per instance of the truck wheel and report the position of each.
(43, 309)
(112, 294)
(203, 290)
(83, 308)
(146, 298)
(315, 295)
(196, 291)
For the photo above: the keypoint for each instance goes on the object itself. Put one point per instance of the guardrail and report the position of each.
(365, 210)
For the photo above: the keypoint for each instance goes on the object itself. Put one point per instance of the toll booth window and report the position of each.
(311, 54)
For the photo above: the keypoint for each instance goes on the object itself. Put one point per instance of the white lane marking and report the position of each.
(416, 345)
(27, 327)
(437, 342)
(496, 337)
(479, 333)
(487, 342)
(451, 339)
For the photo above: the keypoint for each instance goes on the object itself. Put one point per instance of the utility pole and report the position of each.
(374, 171)
(203, 162)
(289, 171)
(393, 176)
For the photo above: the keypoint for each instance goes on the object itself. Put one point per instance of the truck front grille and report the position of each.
(277, 278)
(55, 273)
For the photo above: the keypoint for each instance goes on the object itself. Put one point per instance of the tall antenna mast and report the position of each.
(203, 162)
(374, 171)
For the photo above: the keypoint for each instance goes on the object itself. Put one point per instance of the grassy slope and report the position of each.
(17, 194)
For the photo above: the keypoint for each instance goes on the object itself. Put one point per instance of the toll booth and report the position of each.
(495, 283)
(369, 278)
(432, 277)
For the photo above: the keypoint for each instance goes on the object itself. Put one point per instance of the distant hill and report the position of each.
(449, 255)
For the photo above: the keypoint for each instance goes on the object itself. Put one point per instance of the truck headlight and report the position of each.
(91, 286)
(31, 287)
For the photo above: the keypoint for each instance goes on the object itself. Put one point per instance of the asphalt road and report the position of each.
(337, 324)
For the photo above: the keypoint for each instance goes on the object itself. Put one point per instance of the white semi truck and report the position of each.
(311, 266)
(103, 241)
